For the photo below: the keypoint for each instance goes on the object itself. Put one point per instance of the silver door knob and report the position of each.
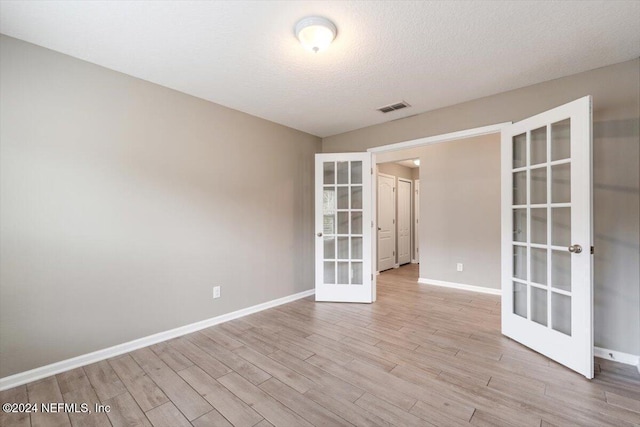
(319, 234)
(575, 249)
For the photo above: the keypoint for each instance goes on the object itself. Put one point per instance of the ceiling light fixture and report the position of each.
(315, 33)
(416, 162)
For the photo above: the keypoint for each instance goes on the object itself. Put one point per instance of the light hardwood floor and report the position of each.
(420, 356)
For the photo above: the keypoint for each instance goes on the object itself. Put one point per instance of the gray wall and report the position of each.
(616, 116)
(123, 203)
(395, 169)
(460, 211)
(449, 178)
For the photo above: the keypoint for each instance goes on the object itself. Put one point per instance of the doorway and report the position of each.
(395, 213)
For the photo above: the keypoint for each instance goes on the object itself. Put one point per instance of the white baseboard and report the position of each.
(617, 356)
(96, 356)
(460, 286)
(415, 261)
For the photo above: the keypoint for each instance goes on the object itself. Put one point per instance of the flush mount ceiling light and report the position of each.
(315, 33)
(416, 162)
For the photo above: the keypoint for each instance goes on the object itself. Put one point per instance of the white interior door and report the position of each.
(386, 222)
(547, 301)
(416, 216)
(404, 221)
(343, 227)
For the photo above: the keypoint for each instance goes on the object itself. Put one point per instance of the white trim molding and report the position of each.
(468, 133)
(617, 356)
(459, 286)
(96, 356)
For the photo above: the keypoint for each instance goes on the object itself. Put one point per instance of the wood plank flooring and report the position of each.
(419, 356)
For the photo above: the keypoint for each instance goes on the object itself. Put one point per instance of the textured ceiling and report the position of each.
(244, 55)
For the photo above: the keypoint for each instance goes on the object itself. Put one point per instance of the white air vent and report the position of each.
(393, 107)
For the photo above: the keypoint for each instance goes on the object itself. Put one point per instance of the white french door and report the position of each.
(404, 221)
(547, 291)
(343, 227)
(386, 221)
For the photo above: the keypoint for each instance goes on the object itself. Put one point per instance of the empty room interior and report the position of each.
(314, 213)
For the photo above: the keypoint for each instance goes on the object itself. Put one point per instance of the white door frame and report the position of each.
(414, 143)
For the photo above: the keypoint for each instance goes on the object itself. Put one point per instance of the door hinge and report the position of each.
(393, 221)
(394, 189)
(371, 171)
(372, 276)
(372, 223)
(593, 250)
(394, 253)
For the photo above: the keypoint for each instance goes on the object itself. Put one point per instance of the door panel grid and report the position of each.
(342, 213)
(544, 185)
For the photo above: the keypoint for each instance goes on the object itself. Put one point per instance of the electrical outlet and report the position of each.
(459, 266)
(216, 292)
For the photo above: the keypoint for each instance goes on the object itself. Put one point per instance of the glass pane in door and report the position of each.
(343, 172)
(561, 270)
(343, 247)
(329, 173)
(539, 305)
(329, 247)
(520, 262)
(539, 146)
(539, 225)
(520, 151)
(356, 197)
(538, 186)
(343, 273)
(519, 225)
(539, 266)
(343, 222)
(561, 140)
(520, 188)
(356, 222)
(343, 197)
(356, 248)
(329, 272)
(329, 224)
(356, 172)
(520, 299)
(561, 183)
(561, 226)
(356, 278)
(561, 313)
